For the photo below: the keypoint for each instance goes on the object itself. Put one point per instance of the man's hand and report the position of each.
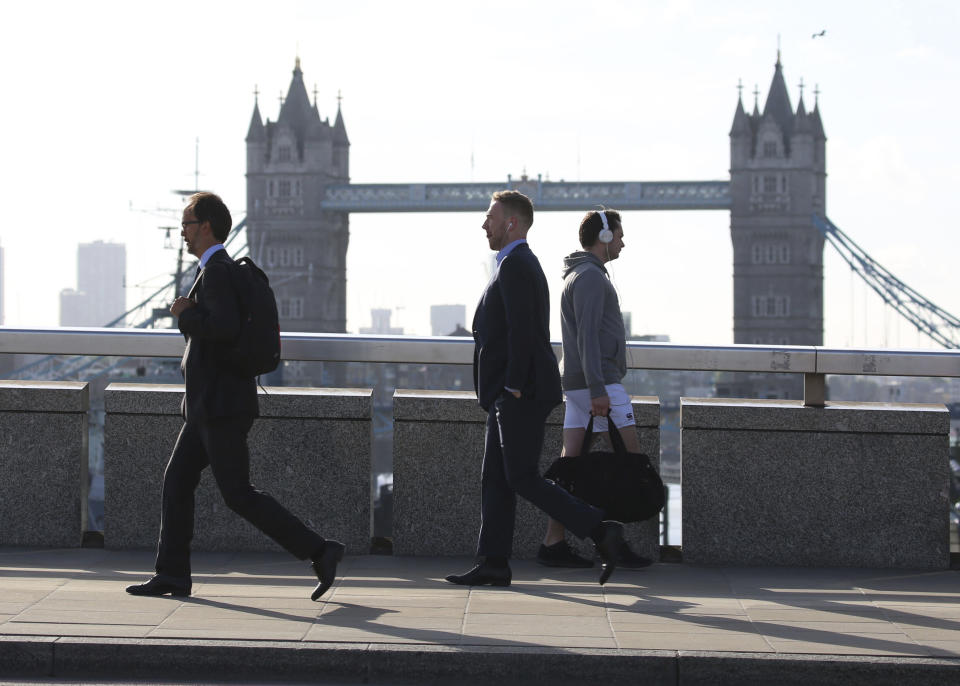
(181, 304)
(600, 407)
(516, 394)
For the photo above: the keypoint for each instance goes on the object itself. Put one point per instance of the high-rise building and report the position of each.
(446, 319)
(302, 248)
(100, 297)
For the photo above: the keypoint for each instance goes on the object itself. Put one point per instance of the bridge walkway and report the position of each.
(63, 612)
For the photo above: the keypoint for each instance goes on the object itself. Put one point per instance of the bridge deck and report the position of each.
(546, 196)
(390, 620)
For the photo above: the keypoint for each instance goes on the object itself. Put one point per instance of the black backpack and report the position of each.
(257, 350)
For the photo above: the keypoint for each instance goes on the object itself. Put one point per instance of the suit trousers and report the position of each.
(222, 444)
(511, 467)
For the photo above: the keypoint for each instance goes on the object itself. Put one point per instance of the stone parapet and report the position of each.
(437, 457)
(43, 462)
(771, 482)
(310, 449)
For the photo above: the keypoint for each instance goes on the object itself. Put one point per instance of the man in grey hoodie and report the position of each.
(594, 363)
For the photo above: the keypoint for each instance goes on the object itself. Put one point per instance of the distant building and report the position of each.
(777, 181)
(446, 319)
(100, 296)
(380, 318)
(649, 337)
(302, 248)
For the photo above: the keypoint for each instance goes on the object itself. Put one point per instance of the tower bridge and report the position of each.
(299, 200)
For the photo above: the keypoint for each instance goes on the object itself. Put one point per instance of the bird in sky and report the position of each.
(822, 33)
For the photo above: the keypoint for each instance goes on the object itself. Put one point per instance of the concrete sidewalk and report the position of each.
(64, 612)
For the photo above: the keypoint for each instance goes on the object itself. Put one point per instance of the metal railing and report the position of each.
(814, 362)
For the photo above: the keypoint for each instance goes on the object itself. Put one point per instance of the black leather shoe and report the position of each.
(325, 567)
(608, 537)
(483, 575)
(162, 584)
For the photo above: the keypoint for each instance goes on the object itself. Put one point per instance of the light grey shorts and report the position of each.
(577, 411)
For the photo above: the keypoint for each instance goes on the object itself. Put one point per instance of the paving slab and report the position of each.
(69, 613)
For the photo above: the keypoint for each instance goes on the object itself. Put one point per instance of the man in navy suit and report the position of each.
(219, 406)
(517, 382)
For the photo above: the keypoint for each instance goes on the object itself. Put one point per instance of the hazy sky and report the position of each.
(104, 101)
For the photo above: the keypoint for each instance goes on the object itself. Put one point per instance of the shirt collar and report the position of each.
(508, 248)
(208, 253)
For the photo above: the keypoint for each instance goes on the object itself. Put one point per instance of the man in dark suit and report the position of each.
(517, 382)
(218, 409)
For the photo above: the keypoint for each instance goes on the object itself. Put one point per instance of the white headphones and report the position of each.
(606, 235)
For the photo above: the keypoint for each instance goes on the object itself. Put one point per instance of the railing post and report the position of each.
(814, 390)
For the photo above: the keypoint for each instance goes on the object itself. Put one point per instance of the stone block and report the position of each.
(43, 462)
(437, 457)
(310, 449)
(771, 482)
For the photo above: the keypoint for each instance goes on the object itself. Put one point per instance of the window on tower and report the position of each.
(784, 253)
(283, 153)
(770, 305)
(770, 149)
(284, 187)
(769, 184)
(770, 253)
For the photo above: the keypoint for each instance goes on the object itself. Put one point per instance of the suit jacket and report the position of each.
(511, 330)
(211, 327)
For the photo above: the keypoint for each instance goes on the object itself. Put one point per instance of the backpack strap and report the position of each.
(196, 284)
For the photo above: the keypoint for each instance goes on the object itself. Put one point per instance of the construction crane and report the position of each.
(931, 320)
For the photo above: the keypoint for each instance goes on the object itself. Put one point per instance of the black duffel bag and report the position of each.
(624, 485)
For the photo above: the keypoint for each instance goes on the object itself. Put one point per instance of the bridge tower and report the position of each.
(777, 180)
(302, 248)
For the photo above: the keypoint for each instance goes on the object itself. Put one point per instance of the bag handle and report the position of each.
(616, 440)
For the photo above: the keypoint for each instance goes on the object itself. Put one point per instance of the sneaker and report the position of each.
(628, 559)
(560, 555)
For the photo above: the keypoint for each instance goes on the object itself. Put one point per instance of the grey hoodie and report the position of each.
(594, 339)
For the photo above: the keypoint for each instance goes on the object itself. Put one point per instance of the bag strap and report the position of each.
(616, 440)
(587, 438)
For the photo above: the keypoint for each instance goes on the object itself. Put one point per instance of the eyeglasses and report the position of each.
(184, 225)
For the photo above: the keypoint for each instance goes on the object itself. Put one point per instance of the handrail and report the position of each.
(331, 347)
